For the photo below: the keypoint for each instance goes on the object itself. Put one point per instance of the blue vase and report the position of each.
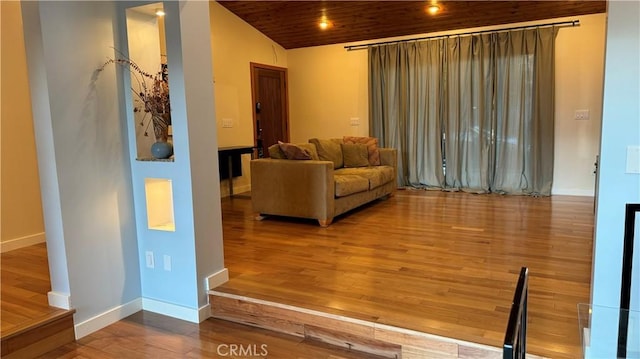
(161, 150)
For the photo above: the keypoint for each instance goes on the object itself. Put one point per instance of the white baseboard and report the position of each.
(107, 318)
(573, 192)
(204, 313)
(118, 313)
(11, 244)
(218, 278)
(59, 300)
(175, 311)
(242, 189)
(224, 188)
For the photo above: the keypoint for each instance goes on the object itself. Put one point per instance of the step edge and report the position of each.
(374, 326)
(37, 322)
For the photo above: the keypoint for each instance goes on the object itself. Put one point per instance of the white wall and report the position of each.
(194, 246)
(82, 156)
(91, 180)
(620, 129)
(330, 86)
(579, 77)
(235, 44)
(205, 182)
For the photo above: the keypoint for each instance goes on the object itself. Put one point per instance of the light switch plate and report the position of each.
(227, 123)
(581, 115)
(633, 159)
(355, 121)
(167, 262)
(149, 259)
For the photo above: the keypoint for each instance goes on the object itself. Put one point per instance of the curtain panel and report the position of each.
(472, 113)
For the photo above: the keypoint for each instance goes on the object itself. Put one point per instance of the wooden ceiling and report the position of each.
(294, 24)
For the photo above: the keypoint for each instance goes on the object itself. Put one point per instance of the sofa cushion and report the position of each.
(355, 155)
(377, 175)
(329, 150)
(372, 147)
(349, 184)
(293, 152)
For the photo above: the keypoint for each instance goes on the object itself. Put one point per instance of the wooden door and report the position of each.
(270, 106)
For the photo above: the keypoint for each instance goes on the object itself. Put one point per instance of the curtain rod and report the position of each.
(559, 24)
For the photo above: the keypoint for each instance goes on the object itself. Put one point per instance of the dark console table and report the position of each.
(231, 157)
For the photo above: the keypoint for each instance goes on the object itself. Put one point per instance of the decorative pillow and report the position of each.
(311, 148)
(372, 147)
(294, 152)
(355, 155)
(329, 150)
(276, 153)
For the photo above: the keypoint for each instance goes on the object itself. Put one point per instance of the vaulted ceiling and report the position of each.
(294, 24)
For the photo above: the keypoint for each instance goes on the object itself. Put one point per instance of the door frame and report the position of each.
(253, 66)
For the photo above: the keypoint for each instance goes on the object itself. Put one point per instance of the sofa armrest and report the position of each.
(296, 188)
(389, 157)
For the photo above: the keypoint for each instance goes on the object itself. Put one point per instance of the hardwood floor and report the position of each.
(30, 326)
(25, 282)
(441, 263)
(24, 286)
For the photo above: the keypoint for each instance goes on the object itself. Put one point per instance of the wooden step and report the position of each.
(39, 335)
(355, 334)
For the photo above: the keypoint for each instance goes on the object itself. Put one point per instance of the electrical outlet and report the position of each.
(149, 259)
(633, 159)
(581, 115)
(167, 263)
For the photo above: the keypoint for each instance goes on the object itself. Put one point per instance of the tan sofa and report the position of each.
(320, 188)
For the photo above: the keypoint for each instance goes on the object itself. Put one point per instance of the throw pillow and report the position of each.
(294, 152)
(355, 155)
(311, 148)
(329, 150)
(276, 153)
(372, 147)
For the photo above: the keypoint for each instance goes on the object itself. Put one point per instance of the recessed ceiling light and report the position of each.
(160, 12)
(433, 9)
(324, 22)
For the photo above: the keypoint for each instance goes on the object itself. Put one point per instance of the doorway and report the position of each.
(271, 106)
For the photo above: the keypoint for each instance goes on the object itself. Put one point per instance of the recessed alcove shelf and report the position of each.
(159, 196)
(147, 49)
(151, 159)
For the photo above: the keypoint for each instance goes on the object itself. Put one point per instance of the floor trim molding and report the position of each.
(224, 188)
(218, 278)
(572, 192)
(204, 313)
(107, 318)
(59, 300)
(172, 310)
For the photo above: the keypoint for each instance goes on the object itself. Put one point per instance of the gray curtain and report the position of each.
(468, 113)
(405, 96)
(480, 104)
